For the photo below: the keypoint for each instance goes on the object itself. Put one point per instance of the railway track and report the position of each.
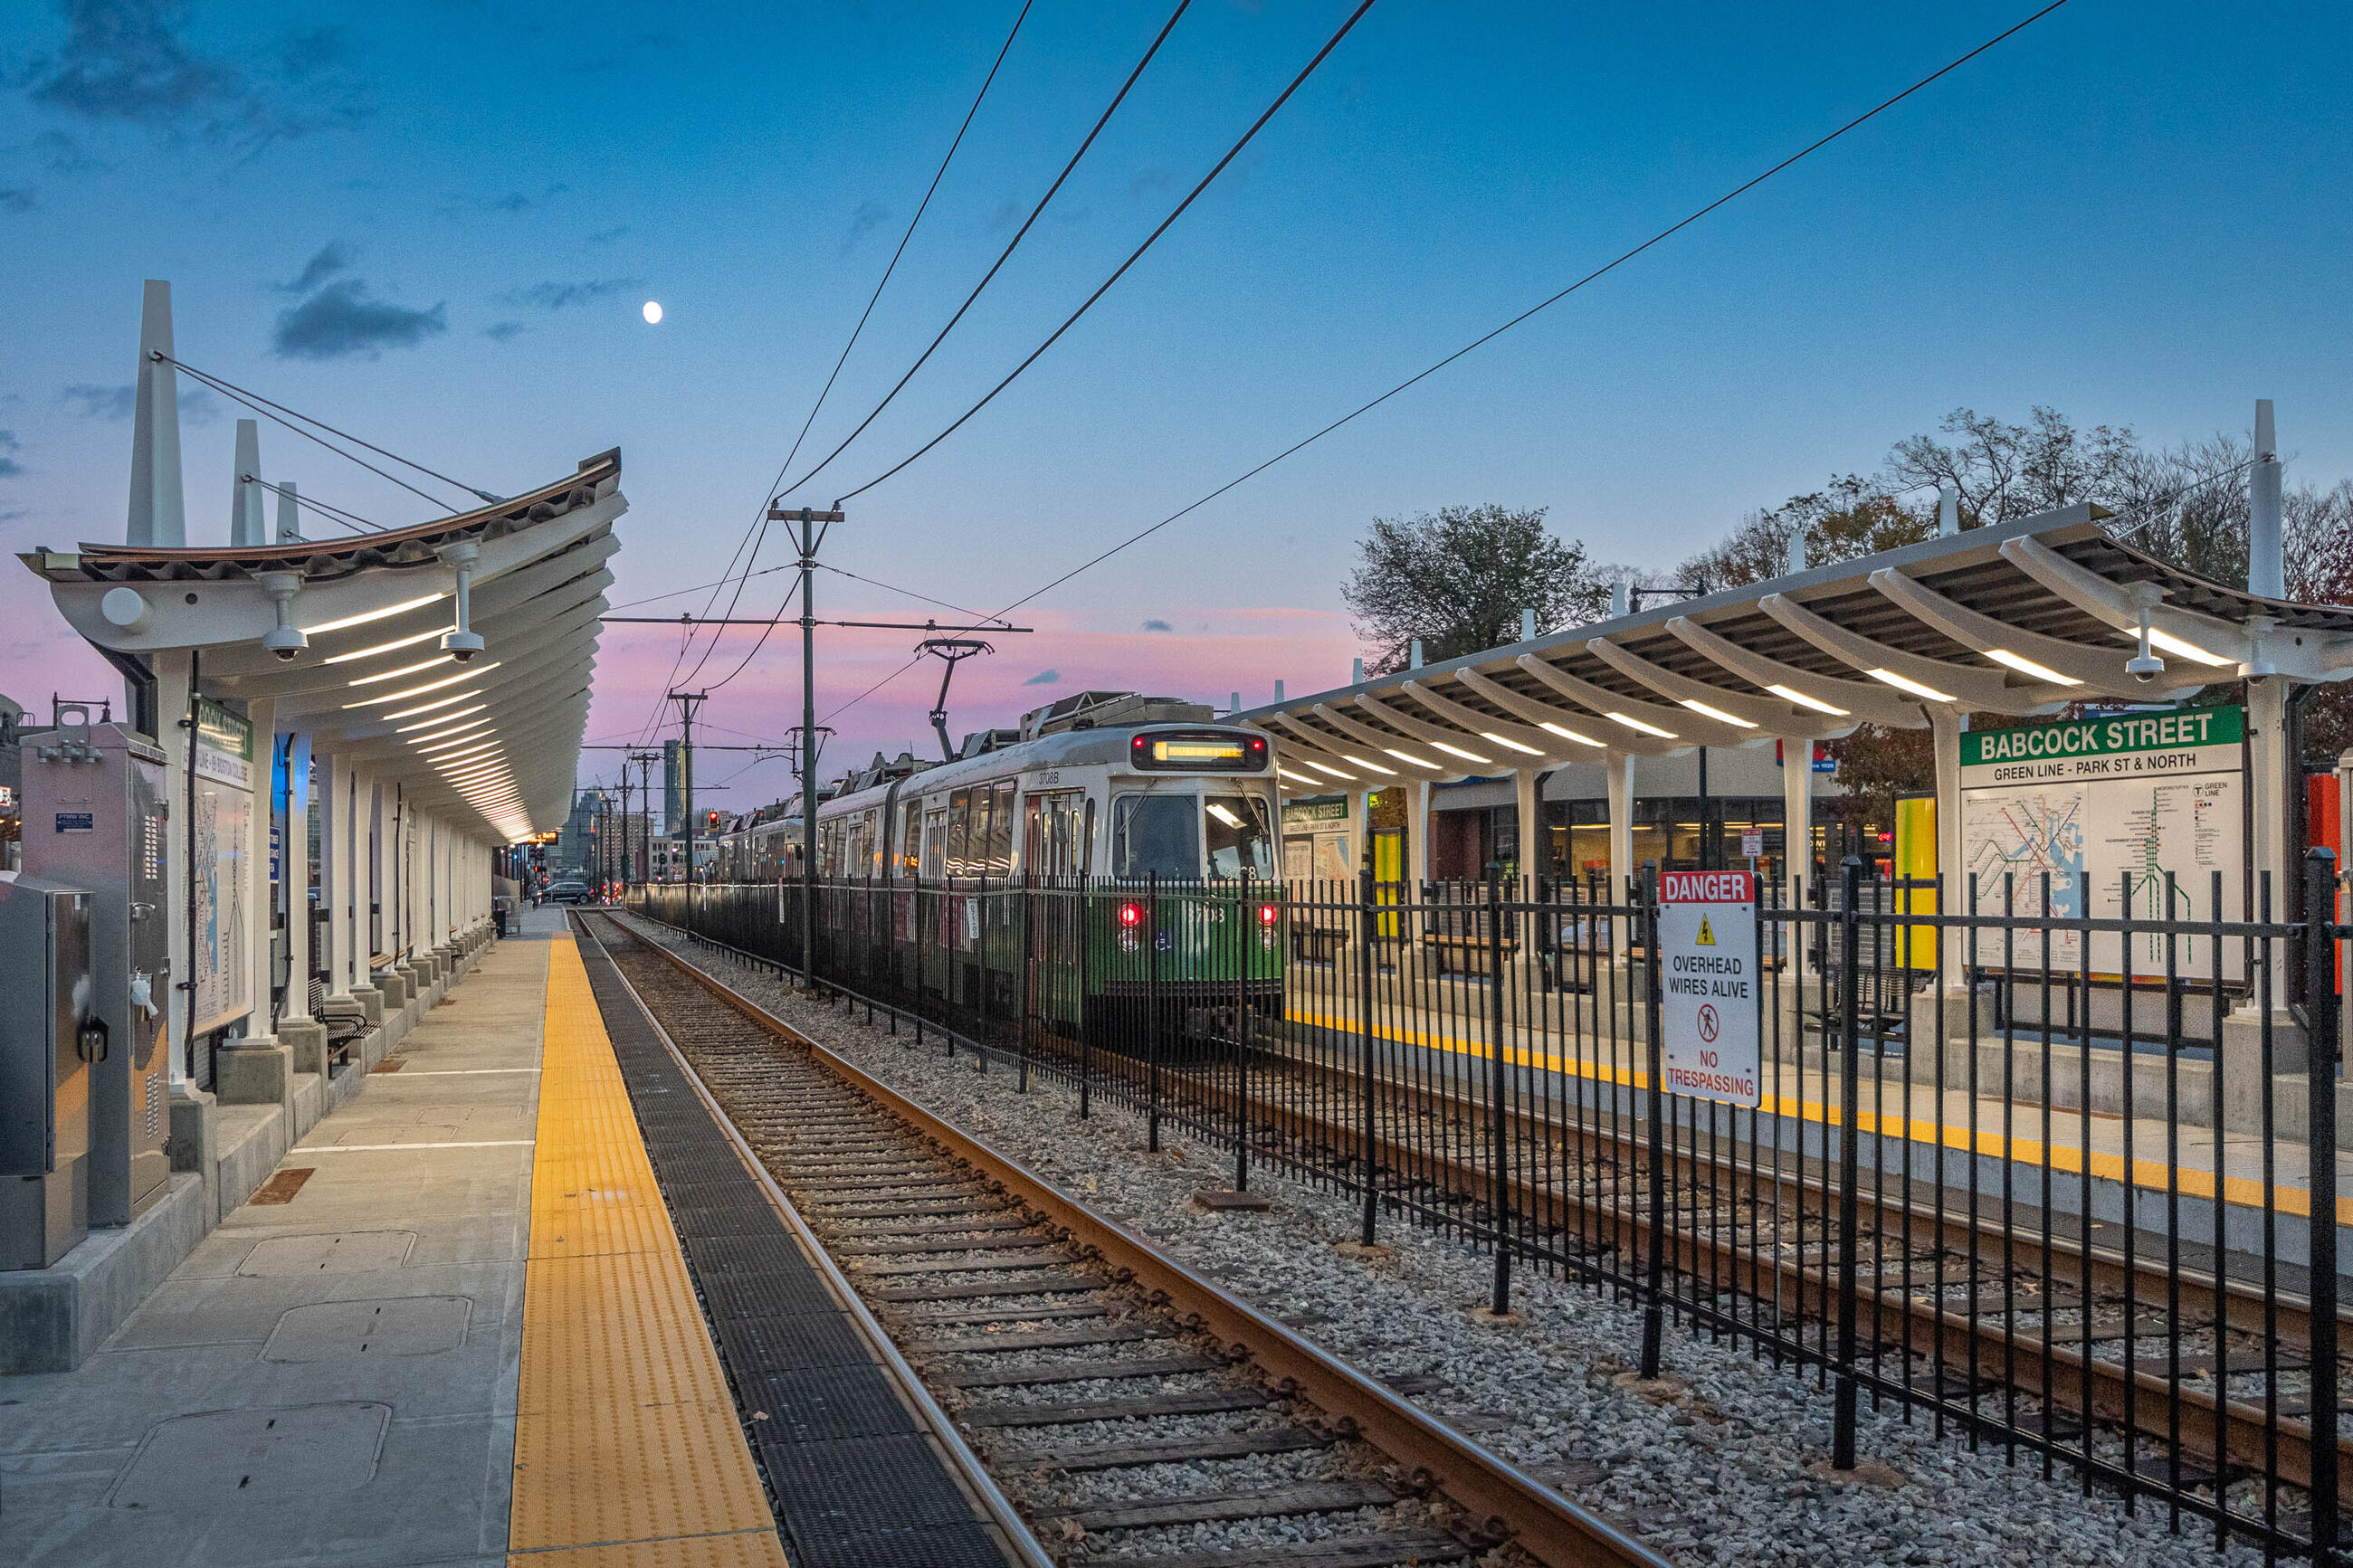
(2143, 1373)
(1066, 1351)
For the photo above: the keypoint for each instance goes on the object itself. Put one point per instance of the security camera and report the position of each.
(2144, 667)
(285, 642)
(461, 645)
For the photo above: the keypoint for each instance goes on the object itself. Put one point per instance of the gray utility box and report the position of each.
(96, 818)
(49, 1040)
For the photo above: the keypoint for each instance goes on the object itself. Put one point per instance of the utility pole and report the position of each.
(645, 761)
(686, 702)
(811, 531)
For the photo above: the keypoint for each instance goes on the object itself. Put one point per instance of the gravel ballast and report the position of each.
(1723, 1461)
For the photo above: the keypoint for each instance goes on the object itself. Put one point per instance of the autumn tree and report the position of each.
(1457, 580)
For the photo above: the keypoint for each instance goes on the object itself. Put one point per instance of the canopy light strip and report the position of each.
(1718, 714)
(386, 614)
(393, 646)
(1904, 683)
(429, 707)
(1788, 694)
(445, 718)
(2027, 666)
(1635, 724)
(1550, 728)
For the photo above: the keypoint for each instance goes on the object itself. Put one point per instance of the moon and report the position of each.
(652, 311)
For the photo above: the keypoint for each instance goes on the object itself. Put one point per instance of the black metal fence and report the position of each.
(2052, 1181)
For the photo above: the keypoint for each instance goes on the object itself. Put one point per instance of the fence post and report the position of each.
(1655, 1281)
(1245, 927)
(1367, 924)
(2321, 1024)
(1842, 1392)
(981, 909)
(1499, 1146)
(1085, 967)
(1151, 1002)
(1021, 985)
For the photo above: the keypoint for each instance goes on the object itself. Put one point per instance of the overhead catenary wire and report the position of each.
(1151, 239)
(883, 282)
(1485, 338)
(757, 533)
(336, 514)
(1019, 235)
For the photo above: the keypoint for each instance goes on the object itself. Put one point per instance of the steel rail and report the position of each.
(1506, 1501)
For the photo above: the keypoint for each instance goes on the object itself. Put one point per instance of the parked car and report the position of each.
(570, 890)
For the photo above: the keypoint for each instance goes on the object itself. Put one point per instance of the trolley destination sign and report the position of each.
(1708, 985)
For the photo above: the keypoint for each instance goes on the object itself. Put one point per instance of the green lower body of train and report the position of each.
(1116, 967)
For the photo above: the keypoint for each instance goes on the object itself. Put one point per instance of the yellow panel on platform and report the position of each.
(1915, 860)
(627, 1451)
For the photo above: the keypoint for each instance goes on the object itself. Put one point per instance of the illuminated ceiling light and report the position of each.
(436, 702)
(1319, 767)
(472, 731)
(447, 680)
(1368, 765)
(473, 754)
(1787, 695)
(1508, 745)
(1550, 728)
(475, 773)
(1223, 813)
(1410, 757)
(480, 734)
(1718, 714)
(393, 646)
(386, 614)
(403, 669)
(1638, 725)
(1903, 683)
(1459, 752)
(2028, 668)
(445, 718)
(2174, 645)
(1297, 778)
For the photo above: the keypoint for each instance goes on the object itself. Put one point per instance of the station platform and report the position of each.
(456, 1326)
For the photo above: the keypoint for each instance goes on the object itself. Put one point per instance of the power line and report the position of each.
(937, 175)
(2158, 507)
(1150, 240)
(1490, 336)
(761, 521)
(1534, 310)
(1103, 120)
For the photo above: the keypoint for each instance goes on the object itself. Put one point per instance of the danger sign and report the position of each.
(1708, 985)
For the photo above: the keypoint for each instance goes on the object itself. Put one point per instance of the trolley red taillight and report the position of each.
(1266, 915)
(1131, 916)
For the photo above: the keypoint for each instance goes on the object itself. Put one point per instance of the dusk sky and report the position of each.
(435, 225)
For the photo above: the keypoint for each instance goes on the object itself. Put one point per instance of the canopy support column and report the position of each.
(1618, 772)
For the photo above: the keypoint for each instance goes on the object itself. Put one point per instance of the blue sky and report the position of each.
(2138, 214)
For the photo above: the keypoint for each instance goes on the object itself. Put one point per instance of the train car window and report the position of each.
(1001, 829)
(1156, 835)
(1237, 835)
(959, 825)
(1087, 842)
(935, 841)
(910, 829)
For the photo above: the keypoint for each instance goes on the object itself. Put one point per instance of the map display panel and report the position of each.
(2114, 816)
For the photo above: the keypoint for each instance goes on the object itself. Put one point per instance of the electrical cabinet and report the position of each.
(96, 817)
(50, 1040)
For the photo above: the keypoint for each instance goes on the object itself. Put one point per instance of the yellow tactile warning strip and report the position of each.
(627, 1452)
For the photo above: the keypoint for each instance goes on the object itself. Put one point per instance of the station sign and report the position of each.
(1708, 985)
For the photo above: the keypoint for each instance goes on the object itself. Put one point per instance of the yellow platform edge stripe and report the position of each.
(628, 1450)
